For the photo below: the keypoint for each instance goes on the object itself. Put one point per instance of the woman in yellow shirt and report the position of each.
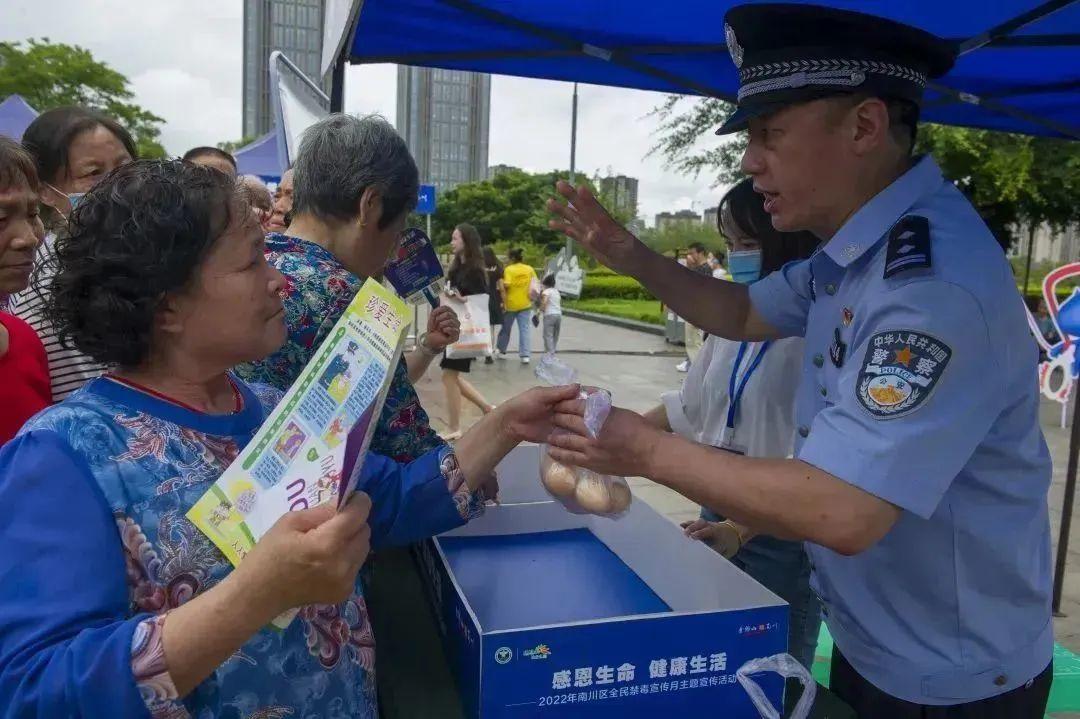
(517, 279)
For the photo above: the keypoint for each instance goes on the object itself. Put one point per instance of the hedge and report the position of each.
(613, 287)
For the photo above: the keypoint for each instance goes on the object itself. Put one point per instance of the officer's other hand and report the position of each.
(584, 219)
(624, 447)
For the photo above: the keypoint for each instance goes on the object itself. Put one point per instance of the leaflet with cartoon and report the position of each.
(310, 450)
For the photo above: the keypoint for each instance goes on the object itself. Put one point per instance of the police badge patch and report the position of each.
(733, 46)
(899, 372)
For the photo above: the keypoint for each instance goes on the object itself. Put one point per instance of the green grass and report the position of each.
(641, 310)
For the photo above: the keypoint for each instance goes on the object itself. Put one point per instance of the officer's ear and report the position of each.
(869, 125)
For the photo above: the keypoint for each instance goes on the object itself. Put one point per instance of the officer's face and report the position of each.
(801, 167)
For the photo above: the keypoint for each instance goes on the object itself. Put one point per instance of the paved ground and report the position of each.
(637, 367)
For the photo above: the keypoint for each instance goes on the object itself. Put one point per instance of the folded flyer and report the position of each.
(310, 450)
(415, 270)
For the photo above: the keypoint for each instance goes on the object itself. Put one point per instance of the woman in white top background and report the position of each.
(740, 396)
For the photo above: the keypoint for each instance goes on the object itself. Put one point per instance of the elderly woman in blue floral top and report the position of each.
(354, 186)
(111, 602)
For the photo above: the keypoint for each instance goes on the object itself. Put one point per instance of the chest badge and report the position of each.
(838, 349)
(900, 371)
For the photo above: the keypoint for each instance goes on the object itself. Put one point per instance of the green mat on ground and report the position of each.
(1064, 696)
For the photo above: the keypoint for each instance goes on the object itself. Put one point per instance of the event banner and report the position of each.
(310, 450)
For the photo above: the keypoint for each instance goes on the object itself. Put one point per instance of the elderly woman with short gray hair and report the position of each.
(354, 186)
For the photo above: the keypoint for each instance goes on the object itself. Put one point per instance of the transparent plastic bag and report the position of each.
(786, 666)
(581, 490)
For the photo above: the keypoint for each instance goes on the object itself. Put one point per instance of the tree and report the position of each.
(49, 75)
(1010, 179)
(510, 207)
(232, 146)
(679, 236)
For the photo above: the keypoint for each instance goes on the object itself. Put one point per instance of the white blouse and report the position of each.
(765, 421)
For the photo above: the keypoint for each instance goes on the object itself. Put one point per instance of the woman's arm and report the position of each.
(445, 488)
(69, 644)
(543, 301)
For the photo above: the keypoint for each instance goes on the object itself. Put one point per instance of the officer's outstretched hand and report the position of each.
(625, 443)
(585, 220)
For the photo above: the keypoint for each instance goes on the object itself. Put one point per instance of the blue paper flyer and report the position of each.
(415, 270)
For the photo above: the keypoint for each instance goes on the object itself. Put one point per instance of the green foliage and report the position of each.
(1009, 178)
(49, 75)
(232, 146)
(614, 287)
(680, 236)
(640, 310)
(509, 208)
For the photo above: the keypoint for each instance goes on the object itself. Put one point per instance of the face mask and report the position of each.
(74, 198)
(745, 267)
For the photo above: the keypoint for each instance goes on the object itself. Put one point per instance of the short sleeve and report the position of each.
(783, 298)
(917, 394)
(66, 632)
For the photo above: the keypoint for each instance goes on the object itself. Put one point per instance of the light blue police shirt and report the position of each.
(920, 388)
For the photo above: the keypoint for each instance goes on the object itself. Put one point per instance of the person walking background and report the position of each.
(467, 276)
(518, 305)
(494, 271)
(551, 309)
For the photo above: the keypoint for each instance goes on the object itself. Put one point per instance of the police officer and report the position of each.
(920, 473)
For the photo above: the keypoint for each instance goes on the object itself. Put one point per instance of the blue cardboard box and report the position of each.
(548, 613)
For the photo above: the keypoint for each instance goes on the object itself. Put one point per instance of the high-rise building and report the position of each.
(620, 193)
(295, 28)
(709, 220)
(672, 219)
(444, 117)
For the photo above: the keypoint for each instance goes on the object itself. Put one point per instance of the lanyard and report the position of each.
(735, 395)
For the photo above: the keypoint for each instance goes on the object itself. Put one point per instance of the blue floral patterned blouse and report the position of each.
(318, 288)
(97, 550)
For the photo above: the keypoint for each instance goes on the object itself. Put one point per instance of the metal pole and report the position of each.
(573, 162)
(1030, 248)
(337, 85)
(1067, 510)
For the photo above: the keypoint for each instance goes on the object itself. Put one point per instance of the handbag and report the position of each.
(475, 338)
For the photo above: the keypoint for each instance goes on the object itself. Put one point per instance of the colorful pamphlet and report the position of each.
(311, 448)
(415, 270)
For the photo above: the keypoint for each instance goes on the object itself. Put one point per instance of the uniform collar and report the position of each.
(869, 224)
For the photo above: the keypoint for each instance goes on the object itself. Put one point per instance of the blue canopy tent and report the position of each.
(1019, 66)
(15, 116)
(260, 158)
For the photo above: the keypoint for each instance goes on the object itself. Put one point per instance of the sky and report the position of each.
(184, 63)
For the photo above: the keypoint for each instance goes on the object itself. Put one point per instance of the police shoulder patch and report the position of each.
(899, 372)
(909, 246)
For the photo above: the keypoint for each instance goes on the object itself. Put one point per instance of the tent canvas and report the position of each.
(15, 116)
(260, 158)
(1018, 71)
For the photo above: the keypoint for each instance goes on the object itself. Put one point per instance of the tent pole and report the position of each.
(1030, 249)
(337, 84)
(1067, 510)
(573, 162)
(1011, 26)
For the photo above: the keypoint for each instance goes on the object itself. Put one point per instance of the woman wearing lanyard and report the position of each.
(741, 397)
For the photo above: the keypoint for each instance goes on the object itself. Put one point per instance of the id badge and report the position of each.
(728, 444)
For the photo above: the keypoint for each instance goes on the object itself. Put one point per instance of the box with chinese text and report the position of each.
(547, 613)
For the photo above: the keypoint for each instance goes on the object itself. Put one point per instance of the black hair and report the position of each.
(747, 211)
(515, 255)
(49, 136)
(16, 166)
(140, 233)
(697, 247)
(549, 280)
(471, 257)
(490, 260)
(207, 151)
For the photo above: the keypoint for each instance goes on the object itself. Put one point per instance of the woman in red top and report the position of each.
(25, 389)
